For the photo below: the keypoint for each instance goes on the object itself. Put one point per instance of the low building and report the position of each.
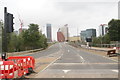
(74, 39)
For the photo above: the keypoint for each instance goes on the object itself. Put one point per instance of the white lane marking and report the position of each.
(66, 71)
(98, 55)
(115, 71)
(68, 50)
(82, 59)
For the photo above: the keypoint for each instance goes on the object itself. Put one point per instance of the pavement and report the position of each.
(70, 62)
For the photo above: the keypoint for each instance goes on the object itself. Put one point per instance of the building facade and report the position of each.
(62, 34)
(83, 35)
(88, 33)
(49, 32)
(103, 29)
(64, 30)
(60, 37)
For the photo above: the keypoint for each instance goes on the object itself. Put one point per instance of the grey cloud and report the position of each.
(77, 6)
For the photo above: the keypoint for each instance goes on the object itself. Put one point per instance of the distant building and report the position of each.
(49, 32)
(119, 10)
(103, 29)
(60, 36)
(64, 31)
(74, 38)
(23, 29)
(83, 35)
(88, 33)
(16, 32)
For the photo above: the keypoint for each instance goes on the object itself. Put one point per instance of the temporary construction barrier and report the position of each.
(16, 66)
(7, 69)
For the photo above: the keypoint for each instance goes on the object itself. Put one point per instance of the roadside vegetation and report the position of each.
(28, 39)
(113, 34)
(110, 39)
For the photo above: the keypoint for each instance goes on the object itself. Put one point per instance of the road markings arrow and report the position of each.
(65, 71)
(68, 50)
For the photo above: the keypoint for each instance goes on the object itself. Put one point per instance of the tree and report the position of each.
(13, 42)
(114, 30)
(43, 41)
(33, 39)
(1, 26)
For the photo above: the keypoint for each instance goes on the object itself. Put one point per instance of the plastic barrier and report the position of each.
(30, 61)
(16, 66)
(0, 59)
(6, 69)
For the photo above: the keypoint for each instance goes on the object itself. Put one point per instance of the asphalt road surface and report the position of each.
(74, 63)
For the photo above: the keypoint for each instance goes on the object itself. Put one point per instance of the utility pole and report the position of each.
(8, 28)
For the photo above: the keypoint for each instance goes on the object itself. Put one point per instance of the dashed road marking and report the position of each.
(115, 71)
(97, 54)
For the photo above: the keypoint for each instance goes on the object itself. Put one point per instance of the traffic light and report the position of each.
(9, 26)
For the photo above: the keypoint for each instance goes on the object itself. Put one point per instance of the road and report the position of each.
(75, 63)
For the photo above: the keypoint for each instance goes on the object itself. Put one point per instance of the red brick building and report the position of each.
(60, 37)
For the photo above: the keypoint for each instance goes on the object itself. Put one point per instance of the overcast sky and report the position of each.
(78, 14)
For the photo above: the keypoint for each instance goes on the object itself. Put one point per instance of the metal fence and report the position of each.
(108, 45)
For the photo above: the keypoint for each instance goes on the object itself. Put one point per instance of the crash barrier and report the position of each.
(22, 52)
(16, 66)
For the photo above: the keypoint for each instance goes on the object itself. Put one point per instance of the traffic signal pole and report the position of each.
(8, 28)
(4, 36)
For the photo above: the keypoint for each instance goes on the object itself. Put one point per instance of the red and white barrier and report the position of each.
(16, 66)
